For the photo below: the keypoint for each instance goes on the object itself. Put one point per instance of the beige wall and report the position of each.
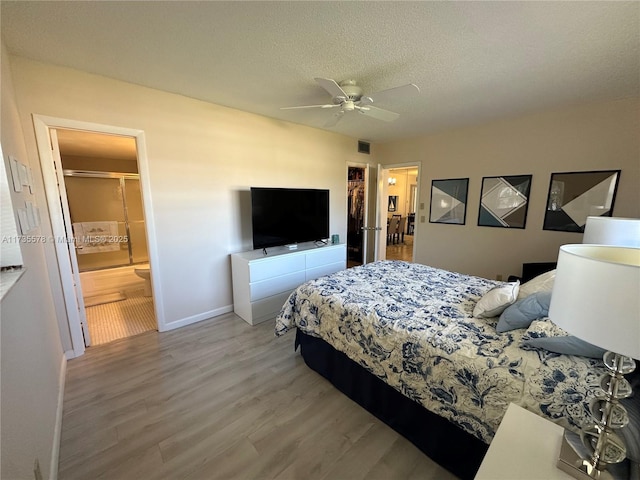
(32, 357)
(202, 160)
(599, 136)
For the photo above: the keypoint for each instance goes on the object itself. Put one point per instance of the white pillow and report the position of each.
(541, 283)
(495, 301)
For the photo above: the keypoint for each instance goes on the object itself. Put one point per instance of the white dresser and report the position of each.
(262, 283)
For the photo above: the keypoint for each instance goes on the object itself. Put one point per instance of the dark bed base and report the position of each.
(442, 441)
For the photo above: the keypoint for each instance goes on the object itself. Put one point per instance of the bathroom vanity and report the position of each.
(262, 283)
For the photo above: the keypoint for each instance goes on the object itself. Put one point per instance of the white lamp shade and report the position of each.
(624, 232)
(596, 296)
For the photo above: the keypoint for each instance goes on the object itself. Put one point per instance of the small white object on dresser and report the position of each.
(525, 447)
(262, 283)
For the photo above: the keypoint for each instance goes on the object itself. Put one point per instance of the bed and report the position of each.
(400, 339)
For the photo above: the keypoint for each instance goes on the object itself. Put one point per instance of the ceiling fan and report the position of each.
(347, 96)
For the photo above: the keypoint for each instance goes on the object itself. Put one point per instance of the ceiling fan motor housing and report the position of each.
(351, 89)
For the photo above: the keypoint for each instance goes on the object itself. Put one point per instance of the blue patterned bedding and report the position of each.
(412, 326)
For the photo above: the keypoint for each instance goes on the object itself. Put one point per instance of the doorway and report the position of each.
(397, 205)
(104, 202)
(125, 240)
(361, 220)
(356, 207)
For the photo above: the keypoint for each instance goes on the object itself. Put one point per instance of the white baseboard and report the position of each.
(197, 318)
(57, 431)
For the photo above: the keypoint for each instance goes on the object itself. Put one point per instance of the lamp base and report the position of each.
(572, 461)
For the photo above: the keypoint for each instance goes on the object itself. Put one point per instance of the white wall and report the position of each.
(31, 354)
(202, 160)
(602, 136)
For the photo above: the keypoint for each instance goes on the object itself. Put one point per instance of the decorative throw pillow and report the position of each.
(541, 283)
(547, 335)
(496, 300)
(524, 311)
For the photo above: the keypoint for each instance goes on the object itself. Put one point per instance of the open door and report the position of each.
(66, 249)
(71, 246)
(381, 213)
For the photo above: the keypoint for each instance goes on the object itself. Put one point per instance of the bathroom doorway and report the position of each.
(60, 254)
(101, 185)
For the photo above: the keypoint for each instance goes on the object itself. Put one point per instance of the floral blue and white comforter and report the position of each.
(412, 326)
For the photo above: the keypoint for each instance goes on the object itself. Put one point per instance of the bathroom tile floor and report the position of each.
(125, 318)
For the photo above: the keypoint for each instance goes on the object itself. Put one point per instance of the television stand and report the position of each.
(261, 284)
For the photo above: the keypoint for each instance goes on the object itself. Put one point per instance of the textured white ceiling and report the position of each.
(473, 61)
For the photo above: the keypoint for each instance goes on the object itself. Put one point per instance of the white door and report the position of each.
(69, 249)
(381, 214)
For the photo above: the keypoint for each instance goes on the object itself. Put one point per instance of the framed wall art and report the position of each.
(449, 201)
(393, 203)
(574, 196)
(504, 201)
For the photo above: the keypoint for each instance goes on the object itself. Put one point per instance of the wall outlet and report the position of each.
(37, 473)
(422, 218)
(499, 277)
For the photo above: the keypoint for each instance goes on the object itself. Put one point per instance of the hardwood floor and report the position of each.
(220, 400)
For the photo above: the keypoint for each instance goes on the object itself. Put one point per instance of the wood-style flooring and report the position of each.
(220, 400)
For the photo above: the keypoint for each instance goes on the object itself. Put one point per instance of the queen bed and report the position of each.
(401, 340)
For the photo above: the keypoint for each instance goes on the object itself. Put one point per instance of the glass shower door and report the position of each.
(135, 217)
(98, 217)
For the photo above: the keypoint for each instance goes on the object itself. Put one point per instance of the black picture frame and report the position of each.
(504, 201)
(573, 196)
(449, 201)
(393, 203)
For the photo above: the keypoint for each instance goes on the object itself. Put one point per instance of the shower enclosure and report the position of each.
(107, 217)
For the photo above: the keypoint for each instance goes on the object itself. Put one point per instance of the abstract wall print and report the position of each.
(504, 201)
(449, 201)
(393, 203)
(574, 196)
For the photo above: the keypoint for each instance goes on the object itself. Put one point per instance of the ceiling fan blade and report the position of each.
(405, 91)
(332, 87)
(309, 106)
(378, 113)
(334, 119)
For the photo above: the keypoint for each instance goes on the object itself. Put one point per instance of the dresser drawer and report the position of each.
(317, 272)
(275, 267)
(273, 286)
(326, 255)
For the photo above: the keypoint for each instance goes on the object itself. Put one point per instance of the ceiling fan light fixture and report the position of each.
(348, 106)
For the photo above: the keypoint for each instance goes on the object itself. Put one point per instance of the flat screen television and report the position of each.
(283, 216)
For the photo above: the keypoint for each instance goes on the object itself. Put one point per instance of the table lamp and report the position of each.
(596, 297)
(624, 232)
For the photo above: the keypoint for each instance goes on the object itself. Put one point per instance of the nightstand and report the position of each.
(525, 447)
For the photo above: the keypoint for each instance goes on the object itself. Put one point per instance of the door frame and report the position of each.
(381, 206)
(42, 125)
